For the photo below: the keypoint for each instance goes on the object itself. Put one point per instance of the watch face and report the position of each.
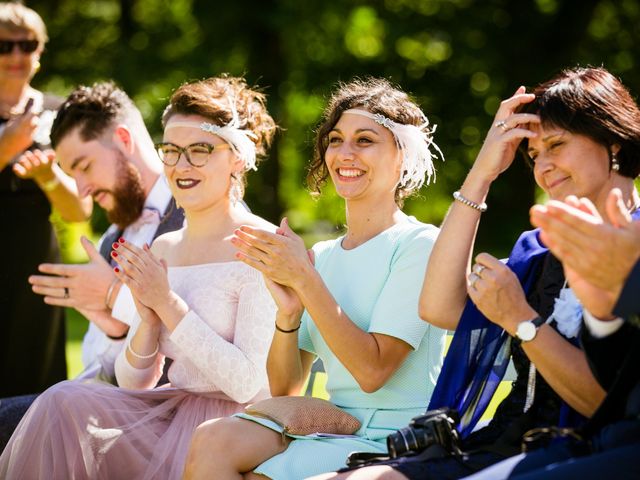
(526, 331)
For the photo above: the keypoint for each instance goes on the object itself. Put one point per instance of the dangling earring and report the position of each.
(36, 66)
(615, 166)
(235, 190)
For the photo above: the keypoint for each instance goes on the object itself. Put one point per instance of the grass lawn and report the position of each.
(76, 327)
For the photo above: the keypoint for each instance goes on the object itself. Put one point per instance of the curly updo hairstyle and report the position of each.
(210, 98)
(376, 95)
(215, 99)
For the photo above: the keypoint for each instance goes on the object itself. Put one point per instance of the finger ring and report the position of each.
(478, 269)
(66, 292)
(473, 278)
(503, 125)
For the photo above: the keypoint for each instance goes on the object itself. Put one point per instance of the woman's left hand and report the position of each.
(497, 293)
(143, 273)
(281, 256)
(36, 164)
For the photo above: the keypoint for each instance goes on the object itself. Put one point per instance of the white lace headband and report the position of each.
(415, 142)
(239, 139)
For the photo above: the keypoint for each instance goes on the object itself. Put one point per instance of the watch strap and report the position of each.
(538, 321)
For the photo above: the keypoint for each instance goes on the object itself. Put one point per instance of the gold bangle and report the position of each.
(50, 185)
(107, 298)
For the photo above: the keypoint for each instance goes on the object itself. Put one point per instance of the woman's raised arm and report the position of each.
(444, 289)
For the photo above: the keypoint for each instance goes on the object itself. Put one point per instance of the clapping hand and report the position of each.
(597, 256)
(282, 256)
(17, 135)
(37, 165)
(79, 286)
(143, 273)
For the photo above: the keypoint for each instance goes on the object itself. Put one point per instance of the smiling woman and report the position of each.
(582, 132)
(211, 315)
(376, 146)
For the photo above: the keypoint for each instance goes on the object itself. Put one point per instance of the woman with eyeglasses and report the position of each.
(32, 355)
(212, 315)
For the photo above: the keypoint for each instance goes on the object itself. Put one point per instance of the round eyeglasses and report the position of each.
(197, 154)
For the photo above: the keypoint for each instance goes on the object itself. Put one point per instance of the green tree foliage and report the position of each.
(459, 58)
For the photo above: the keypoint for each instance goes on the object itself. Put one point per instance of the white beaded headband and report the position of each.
(415, 142)
(240, 140)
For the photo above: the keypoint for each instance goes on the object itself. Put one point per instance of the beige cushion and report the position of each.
(305, 415)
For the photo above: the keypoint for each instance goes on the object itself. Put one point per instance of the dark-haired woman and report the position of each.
(357, 309)
(581, 131)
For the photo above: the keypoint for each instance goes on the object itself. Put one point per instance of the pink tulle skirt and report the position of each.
(79, 430)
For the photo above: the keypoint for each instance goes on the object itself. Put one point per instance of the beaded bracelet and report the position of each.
(143, 357)
(288, 331)
(481, 207)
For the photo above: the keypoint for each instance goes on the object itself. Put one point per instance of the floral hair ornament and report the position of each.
(415, 142)
(238, 138)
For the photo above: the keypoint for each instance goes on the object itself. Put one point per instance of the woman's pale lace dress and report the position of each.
(219, 349)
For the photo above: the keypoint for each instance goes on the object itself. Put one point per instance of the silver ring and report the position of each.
(503, 125)
(478, 269)
(66, 292)
(473, 278)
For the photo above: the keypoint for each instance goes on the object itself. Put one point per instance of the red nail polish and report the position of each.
(116, 269)
(121, 239)
(115, 245)
(114, 254)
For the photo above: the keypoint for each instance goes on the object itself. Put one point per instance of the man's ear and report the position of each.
(123, 139)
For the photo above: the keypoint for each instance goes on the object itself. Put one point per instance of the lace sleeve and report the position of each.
(128, 376)
(236, 368)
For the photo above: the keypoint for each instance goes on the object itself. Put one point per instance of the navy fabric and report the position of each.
(629, 301)
(479, 353)
(615, 455)
(448, 468)
(12, 410)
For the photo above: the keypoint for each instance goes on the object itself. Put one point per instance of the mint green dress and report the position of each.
(378, 286)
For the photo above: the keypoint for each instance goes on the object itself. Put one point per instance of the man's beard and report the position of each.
(128, 195)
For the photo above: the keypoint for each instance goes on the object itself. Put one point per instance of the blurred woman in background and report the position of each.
(32, 344)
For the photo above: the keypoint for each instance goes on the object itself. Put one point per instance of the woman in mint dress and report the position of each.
(353, 301)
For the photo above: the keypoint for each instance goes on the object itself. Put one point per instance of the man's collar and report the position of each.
(159, 196)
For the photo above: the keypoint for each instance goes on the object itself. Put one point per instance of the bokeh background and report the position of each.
(458, 58)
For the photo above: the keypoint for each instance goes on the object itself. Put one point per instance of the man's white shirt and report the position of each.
(99, 352)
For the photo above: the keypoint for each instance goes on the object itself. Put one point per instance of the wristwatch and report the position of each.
(528, 329)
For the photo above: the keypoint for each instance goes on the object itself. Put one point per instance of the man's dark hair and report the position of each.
(91, 109)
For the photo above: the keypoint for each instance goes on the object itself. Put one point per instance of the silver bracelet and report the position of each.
(481, 207)
(143, 357)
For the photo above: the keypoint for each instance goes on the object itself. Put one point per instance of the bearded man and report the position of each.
(100, 140)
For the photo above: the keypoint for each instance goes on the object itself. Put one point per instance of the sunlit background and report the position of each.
(459, 58)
